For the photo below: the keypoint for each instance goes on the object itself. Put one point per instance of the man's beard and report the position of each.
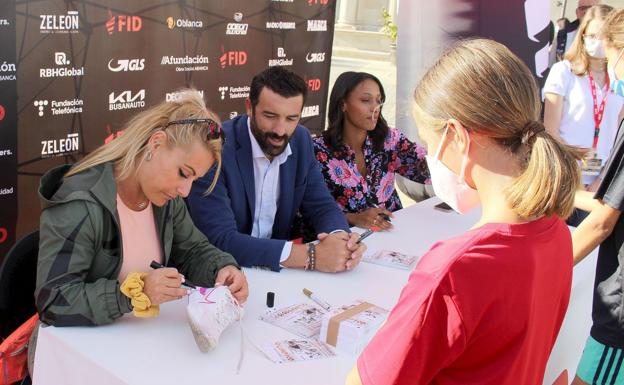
(263, 139)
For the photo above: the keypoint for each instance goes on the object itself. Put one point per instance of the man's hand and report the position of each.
(338, 252)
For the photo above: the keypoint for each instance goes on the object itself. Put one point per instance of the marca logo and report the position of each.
(63, 146)
(60, 59)
(314, 84)
(175, 96)
(4, 233)
(125, 100)
(318, 2)
(60, 107)
(317, 25)
(281, 59)
(189, 62)
(2, 112)
(126, 65)
(7, 71)
(123, 23)
(237, 28)
(315, 57)
(309, 111)
(69, 23)
(6, 191)
(231, 92)
(183, 23)
(280, 25)
(233, 58)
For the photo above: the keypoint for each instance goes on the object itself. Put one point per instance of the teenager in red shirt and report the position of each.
(484, 307)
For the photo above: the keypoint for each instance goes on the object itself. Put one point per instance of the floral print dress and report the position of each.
(355, 193)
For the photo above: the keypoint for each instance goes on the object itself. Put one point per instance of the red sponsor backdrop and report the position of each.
(72, 72)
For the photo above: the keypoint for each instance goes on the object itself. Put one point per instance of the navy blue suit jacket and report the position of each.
(226, 214)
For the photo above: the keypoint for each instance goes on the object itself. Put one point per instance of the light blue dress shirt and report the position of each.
(266, 181)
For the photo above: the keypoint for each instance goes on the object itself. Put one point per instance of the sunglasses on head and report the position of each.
(214, 129)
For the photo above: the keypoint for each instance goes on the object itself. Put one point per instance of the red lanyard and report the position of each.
(598, 110)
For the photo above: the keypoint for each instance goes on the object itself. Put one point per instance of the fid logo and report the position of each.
(233, 58)
(123, 23)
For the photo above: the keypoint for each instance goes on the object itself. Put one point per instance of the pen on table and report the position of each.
(364, 235)
(316, 299)
(156, 265)
(384, 216)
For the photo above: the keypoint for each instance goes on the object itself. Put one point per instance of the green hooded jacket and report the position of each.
(80, 248)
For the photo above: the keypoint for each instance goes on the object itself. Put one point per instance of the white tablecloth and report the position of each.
(162, 350)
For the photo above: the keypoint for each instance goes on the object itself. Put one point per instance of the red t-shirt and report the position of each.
(481, 308)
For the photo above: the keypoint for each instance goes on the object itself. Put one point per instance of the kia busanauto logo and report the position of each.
(126, 100)
(126, 65)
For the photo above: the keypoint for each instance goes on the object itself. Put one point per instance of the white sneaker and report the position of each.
(210, 312)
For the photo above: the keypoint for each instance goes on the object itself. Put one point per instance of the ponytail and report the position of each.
(550, 179)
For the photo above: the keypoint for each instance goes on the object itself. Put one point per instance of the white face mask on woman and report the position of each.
(450, 187)
(594, 47)
(617, 85)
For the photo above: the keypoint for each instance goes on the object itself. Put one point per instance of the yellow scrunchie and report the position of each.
(132, 288)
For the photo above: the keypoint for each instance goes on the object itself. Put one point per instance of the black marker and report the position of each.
(156, 265)
(364, 235)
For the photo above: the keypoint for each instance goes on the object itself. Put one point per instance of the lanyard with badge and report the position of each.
(592, 164)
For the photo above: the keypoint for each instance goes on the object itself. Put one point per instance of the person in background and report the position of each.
(580, 108)
(108, 216)
(603, 357)
(359, 154)
(572, 29)
(269, 174)
(562, 34)
(484, 307)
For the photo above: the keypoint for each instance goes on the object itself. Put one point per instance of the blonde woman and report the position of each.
(579, 107)
(603, 357)
(111, 214)
(483, 307)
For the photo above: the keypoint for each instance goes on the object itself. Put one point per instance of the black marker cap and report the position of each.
(270, 301)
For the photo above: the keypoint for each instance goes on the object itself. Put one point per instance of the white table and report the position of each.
(162, 350)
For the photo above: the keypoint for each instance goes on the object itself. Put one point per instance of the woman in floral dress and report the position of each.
(359, 154)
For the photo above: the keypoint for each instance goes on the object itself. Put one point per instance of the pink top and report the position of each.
(140, 240)
(482, 308)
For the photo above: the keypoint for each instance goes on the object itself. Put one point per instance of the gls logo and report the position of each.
(126, 65)
(123, 23)
(233, 58)
(315, 57)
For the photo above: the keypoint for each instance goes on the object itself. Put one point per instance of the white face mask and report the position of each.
(450, 187)
(594, 47)
(617, 85)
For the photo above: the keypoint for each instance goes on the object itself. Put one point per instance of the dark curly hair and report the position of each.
(344, 85)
